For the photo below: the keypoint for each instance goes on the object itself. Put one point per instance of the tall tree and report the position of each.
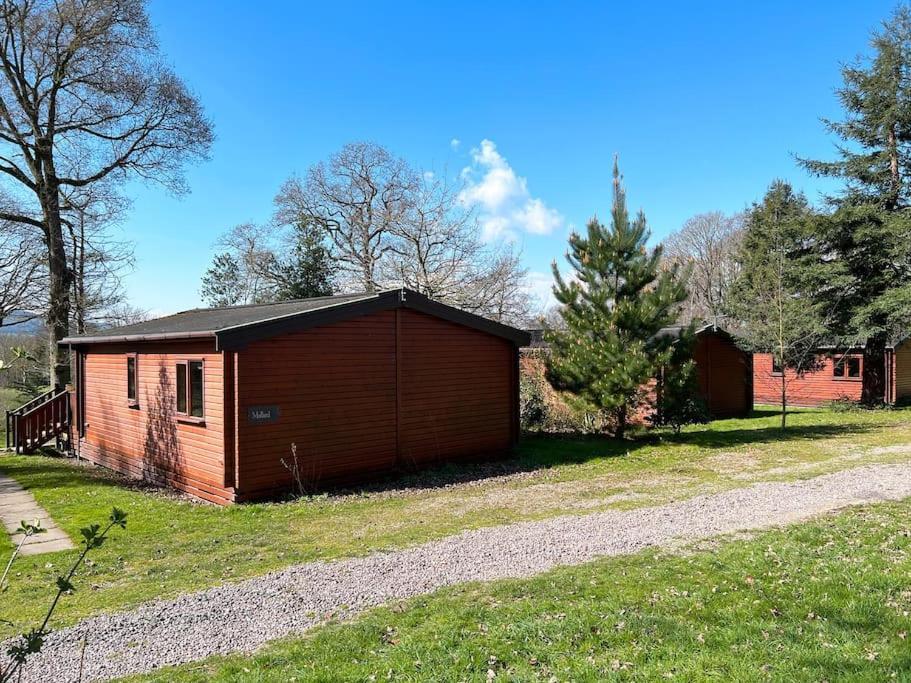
(866, 238)
(222, 283)
(436, 249)
(356, 197)
(707, 244)
(875, 157)
(262, 264)
(307, 270)
(98, 260)
(770, 298)
(239, 273)
(21, 275)
(613, 308)
(85, 97)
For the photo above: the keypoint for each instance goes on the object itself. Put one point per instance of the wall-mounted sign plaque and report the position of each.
(261, 414)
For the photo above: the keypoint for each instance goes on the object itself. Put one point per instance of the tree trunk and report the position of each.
(784, 399)
(620, 431)
(60, 286)
(873, 390)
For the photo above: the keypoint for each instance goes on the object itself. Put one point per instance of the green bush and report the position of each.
(843, 404)
(545, 410)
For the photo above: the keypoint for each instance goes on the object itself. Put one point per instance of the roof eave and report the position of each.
(238, 336)
(115, 339)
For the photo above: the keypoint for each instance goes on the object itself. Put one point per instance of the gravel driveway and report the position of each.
(243, 616)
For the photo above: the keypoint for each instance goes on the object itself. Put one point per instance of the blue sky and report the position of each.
(705, 102)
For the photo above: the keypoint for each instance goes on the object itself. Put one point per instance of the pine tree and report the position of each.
(677, 397)
(308, 271)
(613, 308)
(866, 238)
(222, 283)
(772, 297)
(876, 96)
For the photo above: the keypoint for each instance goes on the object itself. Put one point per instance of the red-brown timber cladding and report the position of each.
(363, 396)
(149, 441)
(810, 389)
(724, 375)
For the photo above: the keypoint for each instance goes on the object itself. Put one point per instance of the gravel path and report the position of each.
(243, 616)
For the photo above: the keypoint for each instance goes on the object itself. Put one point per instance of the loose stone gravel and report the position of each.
(241, 617)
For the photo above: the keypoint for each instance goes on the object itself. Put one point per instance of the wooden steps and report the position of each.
(42, 419)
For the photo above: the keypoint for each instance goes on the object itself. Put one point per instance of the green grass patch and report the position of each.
(173, 546)
(827, 601)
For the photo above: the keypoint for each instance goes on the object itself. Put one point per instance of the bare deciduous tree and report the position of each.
(500, 293)
(707, 244)
(357, 198)
(85, 96)
(250, 248)
(437, 250)
(389, 225)
(98, 260)
(435, 242)
(261, 264)
(123, 313)
(21, 274)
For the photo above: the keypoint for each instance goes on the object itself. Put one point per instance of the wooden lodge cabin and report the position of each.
(839, 376)
(723, 369)
(210, 401)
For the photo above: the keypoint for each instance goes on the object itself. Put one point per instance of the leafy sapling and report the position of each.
(30, 643)
(26, 529)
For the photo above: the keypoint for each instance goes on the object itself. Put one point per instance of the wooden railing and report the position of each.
(32, 425)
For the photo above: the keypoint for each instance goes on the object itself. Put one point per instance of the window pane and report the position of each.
(838, 370)
(776, 367)
(854, 367)
(182, 388)
(196, 388)
(131, 378)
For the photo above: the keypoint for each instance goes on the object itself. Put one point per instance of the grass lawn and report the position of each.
(822, 601)
(173, 546)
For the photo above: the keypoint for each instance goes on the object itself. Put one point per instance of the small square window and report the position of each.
(190, 399)
(776, 366)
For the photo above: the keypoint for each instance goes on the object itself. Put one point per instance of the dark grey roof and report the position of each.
(537, 334)
(536, 337)
(676, 330)
(208, 321)
(236, 325)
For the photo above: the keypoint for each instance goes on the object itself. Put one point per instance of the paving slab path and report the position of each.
(18, 505)
(242, 616)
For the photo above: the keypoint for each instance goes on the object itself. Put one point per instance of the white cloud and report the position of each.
(541, 288)
(455, 143)
(429, 175)
(505, 205)
(538, 218)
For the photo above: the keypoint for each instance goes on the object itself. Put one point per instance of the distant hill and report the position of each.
(22, 322)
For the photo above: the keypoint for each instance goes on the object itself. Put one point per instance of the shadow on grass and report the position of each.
(710, 438)
(537, 452)
(50, 470)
